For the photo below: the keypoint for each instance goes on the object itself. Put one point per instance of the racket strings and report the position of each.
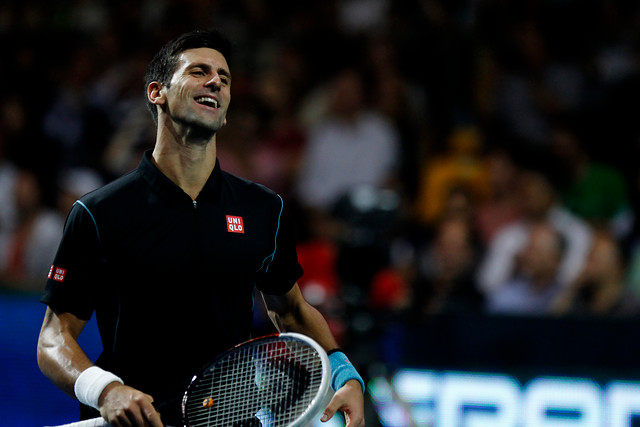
(267, 384)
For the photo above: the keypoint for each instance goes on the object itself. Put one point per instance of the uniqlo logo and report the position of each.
(234, 224)
(57, 273)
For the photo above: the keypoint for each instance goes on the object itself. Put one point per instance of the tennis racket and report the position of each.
(280, 380)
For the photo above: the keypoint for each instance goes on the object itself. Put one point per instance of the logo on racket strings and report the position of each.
(235, 224)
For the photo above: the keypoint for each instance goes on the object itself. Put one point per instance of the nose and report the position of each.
(215, 81)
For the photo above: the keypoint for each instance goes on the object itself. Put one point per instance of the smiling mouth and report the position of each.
(207, 101)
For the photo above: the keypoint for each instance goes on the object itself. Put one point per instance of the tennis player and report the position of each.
(168, 257)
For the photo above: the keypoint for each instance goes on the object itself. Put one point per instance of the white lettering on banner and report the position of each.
(579, 401)
(478, 401)
(622, 400)
(458, 399)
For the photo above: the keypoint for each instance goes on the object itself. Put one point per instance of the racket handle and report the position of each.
(93, 422)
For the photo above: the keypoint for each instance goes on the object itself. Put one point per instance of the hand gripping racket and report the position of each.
(279, 380)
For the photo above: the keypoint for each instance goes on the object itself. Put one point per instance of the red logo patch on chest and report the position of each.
(235, 224)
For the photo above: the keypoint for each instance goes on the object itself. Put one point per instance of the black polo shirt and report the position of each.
(171, 280)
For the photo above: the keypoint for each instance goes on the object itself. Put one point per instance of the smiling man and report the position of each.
(172, 249)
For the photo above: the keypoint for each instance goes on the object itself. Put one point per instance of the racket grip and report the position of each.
(93, 422)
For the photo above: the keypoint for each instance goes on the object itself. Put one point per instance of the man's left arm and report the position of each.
(292, 313)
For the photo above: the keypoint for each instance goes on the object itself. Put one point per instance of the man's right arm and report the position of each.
(62, 360)
(60, 357)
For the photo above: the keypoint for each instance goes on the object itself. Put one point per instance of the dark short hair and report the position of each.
(164, 63)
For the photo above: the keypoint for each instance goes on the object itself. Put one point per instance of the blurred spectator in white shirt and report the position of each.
(27, 250)
(539, 203)
(352, 147)
(534, 288)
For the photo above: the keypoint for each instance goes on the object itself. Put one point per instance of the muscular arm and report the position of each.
(62, 360)
(292, 313)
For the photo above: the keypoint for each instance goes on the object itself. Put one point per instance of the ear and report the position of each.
(155, 93)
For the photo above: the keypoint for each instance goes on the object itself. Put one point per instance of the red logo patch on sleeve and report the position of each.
(57, 273)
(235, 224)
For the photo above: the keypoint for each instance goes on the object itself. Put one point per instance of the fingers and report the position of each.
(150, 414)
(350, 401)
(127, 407)
(135, 417)
(153, 418)
(354, 420)
(330, 410)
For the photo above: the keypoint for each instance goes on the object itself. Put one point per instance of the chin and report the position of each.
(196, 126)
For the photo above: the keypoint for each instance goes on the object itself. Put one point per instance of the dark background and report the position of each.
(71, 74)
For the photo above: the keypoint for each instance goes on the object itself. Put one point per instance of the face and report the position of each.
(541, 255)
(348, 93)
(603, 263)
(198, 96)
(536, 194)
(454, 245)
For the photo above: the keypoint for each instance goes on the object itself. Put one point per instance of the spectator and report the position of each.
(461, 165)
(446, 282)
(8, 172)
(352, 147)
(539, 202)
(27, 250)
(594, 191)
(502, 205)
(535, 285)
(600, 289)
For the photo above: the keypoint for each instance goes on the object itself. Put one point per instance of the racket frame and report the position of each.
(318, 403)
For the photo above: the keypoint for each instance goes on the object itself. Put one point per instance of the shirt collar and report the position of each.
(166, 188)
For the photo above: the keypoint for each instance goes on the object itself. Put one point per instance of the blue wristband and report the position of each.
(342, 371)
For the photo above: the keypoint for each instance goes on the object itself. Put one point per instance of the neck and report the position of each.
(187, 164)
(542, 281)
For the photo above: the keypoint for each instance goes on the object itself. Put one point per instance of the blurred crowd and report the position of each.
(467, 156)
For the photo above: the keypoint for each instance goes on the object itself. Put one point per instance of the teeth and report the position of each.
(207, 100)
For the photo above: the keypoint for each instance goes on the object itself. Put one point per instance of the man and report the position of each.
(535, 286)
(168, 257)
(539, 202)
(601, 288)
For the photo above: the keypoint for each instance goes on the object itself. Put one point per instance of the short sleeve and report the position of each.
(281, 269)
(70, 285)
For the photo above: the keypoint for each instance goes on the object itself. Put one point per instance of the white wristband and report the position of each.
(90, 384)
